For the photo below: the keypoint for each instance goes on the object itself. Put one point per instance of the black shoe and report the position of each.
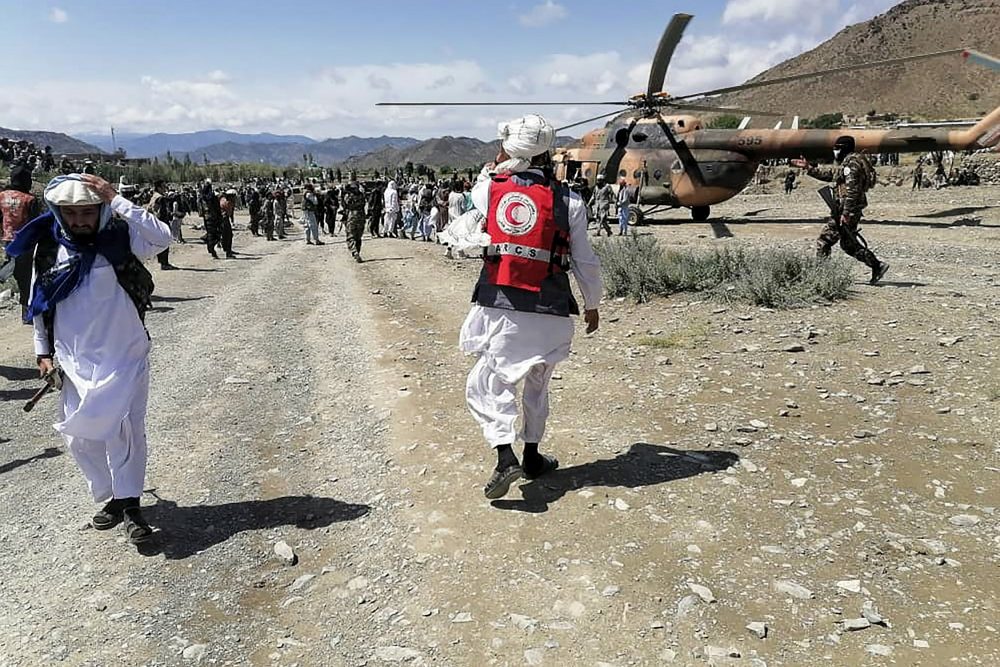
(500, 481)
(357, 258)
(110, 515)
(230, 255)
(535, 467)
(214, 255)
(308, 242)
(136, 529)
(878, 271)
(320, 243)
(167, 267)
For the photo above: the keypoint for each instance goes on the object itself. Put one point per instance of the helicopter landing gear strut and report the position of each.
(700, 213)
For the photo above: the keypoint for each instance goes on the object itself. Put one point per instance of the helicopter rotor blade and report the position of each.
(496, 104)
(665, 52)
(734, 110)
(590, 120)
(687, 158)
(621, 145)
(835, 70)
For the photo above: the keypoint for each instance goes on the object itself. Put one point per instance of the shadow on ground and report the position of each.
(183, 532)
(644, 464)
(17, 394)
(18, 374)
(48, 453)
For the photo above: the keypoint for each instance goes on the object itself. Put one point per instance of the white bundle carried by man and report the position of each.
(521, 139)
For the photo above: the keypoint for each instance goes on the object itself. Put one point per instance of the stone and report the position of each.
(964, 520)
(850, 585)
(711, 427)
(795, 347)
(462, 617)
(879, 650)
(853, 624)
(919, 369)
(621, 505)
(921, 643)
(194, 652)
(534, 656)
(396, 654)
(285, 553)
(871, 614)
(720, 652)
(758, 424)
(357, 584)
(300, 582)
(793, 589)
(703, 592)
(611, 591)
(759, 628)
(232, 379)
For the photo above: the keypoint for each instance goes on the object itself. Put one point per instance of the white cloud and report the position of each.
(58, 15)
(543, 14)
(780, 11)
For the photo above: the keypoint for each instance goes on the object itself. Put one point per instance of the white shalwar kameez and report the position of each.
(513, 346)
(103, 349)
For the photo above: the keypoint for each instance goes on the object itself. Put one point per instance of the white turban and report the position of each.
(71, 192)
(527, 136)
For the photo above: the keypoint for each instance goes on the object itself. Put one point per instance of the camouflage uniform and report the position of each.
(601, 202)
(353, 200)
(852, 179)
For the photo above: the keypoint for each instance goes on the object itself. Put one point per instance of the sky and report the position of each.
(317, 67)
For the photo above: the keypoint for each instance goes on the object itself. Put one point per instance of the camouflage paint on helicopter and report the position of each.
(728, 159)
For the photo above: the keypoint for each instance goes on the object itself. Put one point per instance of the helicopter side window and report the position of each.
(621, 137)
(658, 174)
(639, 136)
(636, 174)
(622, 173)
(677, 166)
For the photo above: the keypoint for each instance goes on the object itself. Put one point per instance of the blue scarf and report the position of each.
(112, 242)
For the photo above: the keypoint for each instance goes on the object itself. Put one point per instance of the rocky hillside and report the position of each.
(454, 152)
(61, 143)
(325, 153)
(944, 87)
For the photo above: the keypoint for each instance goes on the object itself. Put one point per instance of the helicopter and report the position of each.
(669, 158)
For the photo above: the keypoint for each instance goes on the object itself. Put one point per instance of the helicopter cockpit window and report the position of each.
(622, 173)
(621, 137)
(639, 136)
(636, 174)
(680, 123)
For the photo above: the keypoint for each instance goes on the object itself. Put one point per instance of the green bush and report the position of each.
(638, 268)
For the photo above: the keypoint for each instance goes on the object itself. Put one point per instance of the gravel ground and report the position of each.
(715, 486)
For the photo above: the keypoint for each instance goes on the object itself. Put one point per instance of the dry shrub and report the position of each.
(638, 268)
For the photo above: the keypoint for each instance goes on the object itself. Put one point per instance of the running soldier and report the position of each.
(853, 176)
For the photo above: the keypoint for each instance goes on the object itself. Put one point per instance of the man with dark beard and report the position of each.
(88, 267)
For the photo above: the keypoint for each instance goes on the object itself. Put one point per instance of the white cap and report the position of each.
(72, 193)
(527, 136)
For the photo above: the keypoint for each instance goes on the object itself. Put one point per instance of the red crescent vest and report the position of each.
(526, 244)
(525, 265)
(15, 207)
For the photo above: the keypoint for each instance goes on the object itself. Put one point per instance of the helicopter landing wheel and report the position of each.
(700, 213)
(636, 217)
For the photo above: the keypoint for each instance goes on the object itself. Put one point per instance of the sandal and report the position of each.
(500, 481)
(543, 466)
(136, 529)
(110, 515)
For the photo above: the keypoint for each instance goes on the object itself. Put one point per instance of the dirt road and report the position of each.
(710, 479)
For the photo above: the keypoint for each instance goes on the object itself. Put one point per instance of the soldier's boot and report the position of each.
(879, 269)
